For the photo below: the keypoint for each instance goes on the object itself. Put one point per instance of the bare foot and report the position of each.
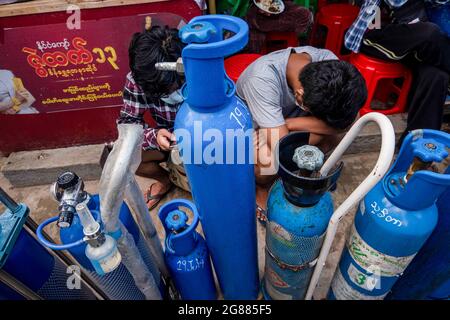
(156, 192)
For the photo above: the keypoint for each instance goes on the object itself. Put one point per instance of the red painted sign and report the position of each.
(89, 119)
(50, 68)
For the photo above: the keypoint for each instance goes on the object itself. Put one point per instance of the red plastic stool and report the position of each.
(236, 64)
(337, 19)
(279, 40)
(381, 81)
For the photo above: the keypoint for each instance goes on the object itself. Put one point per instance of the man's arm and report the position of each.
(321, 134)
(27, 98)
(263, 100)
(310, 124)
(265, 142)
(133, 110)
(5, 104)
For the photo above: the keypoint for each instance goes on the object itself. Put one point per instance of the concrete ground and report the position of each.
(356, 167)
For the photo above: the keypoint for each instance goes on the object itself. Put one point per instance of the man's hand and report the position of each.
(321, 135)
(22, 95)
(10, 111)
(25, 98)
(164, 138)
(310, 124)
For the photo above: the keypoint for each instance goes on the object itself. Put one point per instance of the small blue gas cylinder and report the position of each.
(394, 219)
(26, 260)
(215, 138)
(186, 254)
(299, 208)
(118, 284)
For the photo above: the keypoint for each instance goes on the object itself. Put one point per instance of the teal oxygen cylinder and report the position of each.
(299, 208)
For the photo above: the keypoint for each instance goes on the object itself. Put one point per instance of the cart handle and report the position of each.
(380, 169)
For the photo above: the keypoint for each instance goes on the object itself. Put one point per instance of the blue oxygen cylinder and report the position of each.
(26, 260)
(428, 275)
(394, 220)
(118, 284)
(299, 208)
(214, 134)
(186, 254)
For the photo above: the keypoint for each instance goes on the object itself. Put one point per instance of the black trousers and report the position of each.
(426, 51)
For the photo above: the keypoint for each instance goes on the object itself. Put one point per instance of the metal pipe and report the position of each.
(133, 261)
(118, 171)
(134, 199)
(380, 169)
(171, 66)
(166, 66)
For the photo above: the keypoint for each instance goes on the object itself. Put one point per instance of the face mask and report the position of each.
(173, 98)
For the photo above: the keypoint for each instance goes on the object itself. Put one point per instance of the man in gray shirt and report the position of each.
(298, 89)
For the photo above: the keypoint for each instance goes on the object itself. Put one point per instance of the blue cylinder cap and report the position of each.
(203, 58)
(199, 32)
(184, 241)
(176, 220)
(429, 150)
(424, 187)
(204, 36)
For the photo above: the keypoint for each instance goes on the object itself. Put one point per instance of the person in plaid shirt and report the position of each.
(155, 91)
(410, 38)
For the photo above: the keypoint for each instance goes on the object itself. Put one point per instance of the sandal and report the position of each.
(157, 197)
(261, 215)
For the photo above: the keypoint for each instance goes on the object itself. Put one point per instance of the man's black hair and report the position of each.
(334, 91)
(158, 44)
